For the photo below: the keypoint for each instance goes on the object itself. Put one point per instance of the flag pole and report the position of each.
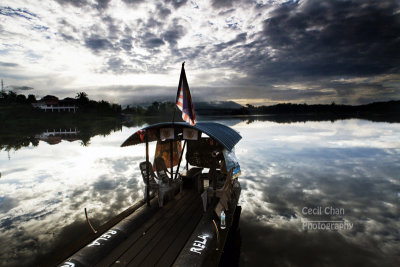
(173, 120)
(173, 116)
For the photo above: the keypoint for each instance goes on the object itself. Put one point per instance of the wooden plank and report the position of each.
(142, 240)
(144, 222)
(167, 240)
(175, 248)
(209, 256)
(160, 240)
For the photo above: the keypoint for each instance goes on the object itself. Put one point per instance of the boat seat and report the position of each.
(162, 172)
(162, 189)
(152, 177)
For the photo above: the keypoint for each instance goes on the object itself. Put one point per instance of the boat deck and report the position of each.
(160, 238)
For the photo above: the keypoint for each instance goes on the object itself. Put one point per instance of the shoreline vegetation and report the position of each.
(23, 124)
(282, 113)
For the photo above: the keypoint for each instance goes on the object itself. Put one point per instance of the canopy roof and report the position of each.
(223, 134)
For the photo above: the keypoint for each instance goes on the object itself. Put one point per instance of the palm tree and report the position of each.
(81, 95)
(82, 98)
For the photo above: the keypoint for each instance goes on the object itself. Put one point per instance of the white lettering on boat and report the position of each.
(68, 264)
(104, 237)
(199, 245)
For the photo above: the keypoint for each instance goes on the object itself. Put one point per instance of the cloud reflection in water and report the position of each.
(349, 164)
(44, 197)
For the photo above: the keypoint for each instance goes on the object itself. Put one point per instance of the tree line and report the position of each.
(289, 108)
(155, 109)
(11, 97)
(81, 100)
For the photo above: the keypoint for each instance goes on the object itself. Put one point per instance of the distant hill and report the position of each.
(378, 111)
(216, 107)
(201, 108)
(389, 107)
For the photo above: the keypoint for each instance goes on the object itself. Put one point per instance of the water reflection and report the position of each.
(54, 136)
(42, 200)
(352, 165)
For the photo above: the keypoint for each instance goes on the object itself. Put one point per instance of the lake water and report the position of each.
(298, 180)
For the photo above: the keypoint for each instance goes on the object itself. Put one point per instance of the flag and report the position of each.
(184, 100)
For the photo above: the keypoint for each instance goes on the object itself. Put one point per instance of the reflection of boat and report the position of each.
(184, 227)
(55, 136)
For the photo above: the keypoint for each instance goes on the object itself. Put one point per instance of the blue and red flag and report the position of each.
(184, 99)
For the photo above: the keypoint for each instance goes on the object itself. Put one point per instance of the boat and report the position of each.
(189, 208)
(186, 216)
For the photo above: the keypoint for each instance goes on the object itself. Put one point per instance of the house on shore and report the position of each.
(52, 103)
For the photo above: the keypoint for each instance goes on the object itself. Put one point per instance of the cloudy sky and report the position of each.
(258, 52)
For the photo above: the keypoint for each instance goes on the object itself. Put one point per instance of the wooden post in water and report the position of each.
(147, 171)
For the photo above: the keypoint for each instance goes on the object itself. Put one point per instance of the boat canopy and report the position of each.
(222, 134)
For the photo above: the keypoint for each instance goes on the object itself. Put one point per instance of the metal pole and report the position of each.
(213, 173)
(180, 159)
(173, 116)
(147, 171)
(171, 148)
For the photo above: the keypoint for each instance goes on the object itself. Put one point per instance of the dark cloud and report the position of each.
(67, 37)
(151, 41)
(18, 12)
(40, 28)
(331, 38)
(239, 38)
(77, 3)
(66, 24)
(153, 23)
(139, 94)
(188, 53)
(118, 66)
(313, 43)
(8, 64)
(113, 27)
(174, 33)
(20, 88)
(97, 43)
(223, 3)
(133, 2)
(102, 4)
(115, 64)
(67, 31)
(163, 12)
(126, 43)
(176, 3)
